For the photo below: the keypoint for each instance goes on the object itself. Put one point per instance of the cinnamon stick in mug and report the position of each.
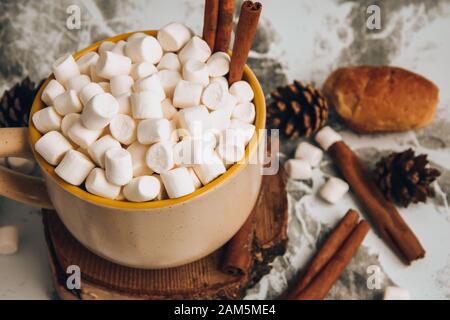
(245, 33)
(210, 22)
(224, 25)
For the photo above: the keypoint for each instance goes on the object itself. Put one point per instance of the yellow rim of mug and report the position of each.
(259, 102)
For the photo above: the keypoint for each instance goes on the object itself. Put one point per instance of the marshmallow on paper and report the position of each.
(218, 64)
(46, 120)
(9, 240)
(119, 47)
(210, 169)
(310, 153)
(96, 183)
(106, 46)
(153, 130)
(78, 82)
(136, 35)
(124, 103)
(89, 91)
(85, 61)
(173, 36)
(169, 80)
(82, 136)
(123, 129)
(178, 182)
(169, 61)
(215, 96)
(334, 189)
(242, 91)
(231, 146)
(51, 91)
(187, 94)
(111, 64)
(168, 109)
(196, 49)
(159, 156)
(196, 71)
(67, 102)
(141, 189)
(245, 112)
(142, 70)
(151, 83)
(194, 120)
(326, 137)
(138, 153)
(396, 293)
(52, 146)
(247, 129)
(65, 68)
(298, 169)
(68, 121)
(118, 166)
(195, 179)
(98, 149)
(146, 105)
(99, 111)
(121, 84)
(144, 49)
(74, 167)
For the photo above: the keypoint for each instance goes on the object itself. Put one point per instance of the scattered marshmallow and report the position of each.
(106, 46)
(52, 146)
(96, 183)
(89, 91)
(65, 68)
(187, 94)
(74, 167)
(210, 169)
(218, 64)
(124, 104)
(248, 129)
(119, 47)
(396, 293)
(169, 80)
(334, 189)
(111, 64)
(153, 130)
(68, 121)
(194, 120)
(173, 36)
(146, 105)
(123, 129)
(78, 82)
(195, 179)
(98, 149)
(82, 136)
(244, 112)
(143, 49)
(141, 189)
(326, 137)
(231, 146)
(151, 83)
(86, 61)
(242, 91)
(169, 61)
(121, 84)
(118, 166)
(178, 182)
(9, 240)
(67, 102)
(46, 120)
(99, 111)
(138, 154)
(298, 169)
(196, 49)
(196, 71)
(215, 96)
(142, 70)
(310, 153)
(168, 109)
(51, 91)
(159, 157)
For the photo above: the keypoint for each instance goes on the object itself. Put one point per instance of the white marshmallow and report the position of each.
(196, 71)
(9, 240)
(146, 105)
(326, 137)
(118, 166)
(194, 120)
(196, 49)
(138, 153)
(162, 191)
(169, 61)
(168, 109)
(153, 130)
(124, 103)
(310, 153)
(51, 91)
(46, 120)
(52, 146)
(230, 104)
(298, 169)
(111, 64)
(141, 189)
(244, 112)
(105, 46)
(178, 182)
(99, 111)
(142, 70)
(218, 64)
(195, 179)
(119, 47)
(169, 80)
(123, 129)
(210, 169)
(248, 129)
(215, 96)
(220, 120)
(105, 86)
(231, 146)
(96, 183)
(159, 157)
(151, 83)
(89, 91)
(144, 49)
(68, 102)
(65, 68)
(68, 121)
(242, 91)
(121, 84)
(136, 35)
(81, 135)
(173, 36)
(334, 189)
(85, 61)
(77, 83)
(222, 80)
(74, 167)
(187, 94)
(98, 149)
(396, 293)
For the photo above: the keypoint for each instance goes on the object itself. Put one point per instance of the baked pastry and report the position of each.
(381, 99)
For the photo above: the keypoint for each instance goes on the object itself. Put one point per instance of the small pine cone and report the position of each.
(405, 178)
(15, 104)
(297, 110)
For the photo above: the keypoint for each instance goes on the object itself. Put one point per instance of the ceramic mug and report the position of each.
(156, 234)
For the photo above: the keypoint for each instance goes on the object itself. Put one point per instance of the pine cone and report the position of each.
(15, 104)
(405, 178)
(297, 110)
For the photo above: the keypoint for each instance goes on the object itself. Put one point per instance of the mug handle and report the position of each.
(14, 185)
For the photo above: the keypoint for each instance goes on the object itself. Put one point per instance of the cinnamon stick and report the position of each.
(210, 22)
(245, 33)
(390, 225)
(224, 25)
(326, 252)
(322, 283)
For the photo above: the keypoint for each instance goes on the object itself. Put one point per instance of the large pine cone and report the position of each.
(15, 104)
(297, 110)
(405, 178)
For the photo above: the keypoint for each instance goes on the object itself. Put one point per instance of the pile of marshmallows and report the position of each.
(308, 156)
(144, 119)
